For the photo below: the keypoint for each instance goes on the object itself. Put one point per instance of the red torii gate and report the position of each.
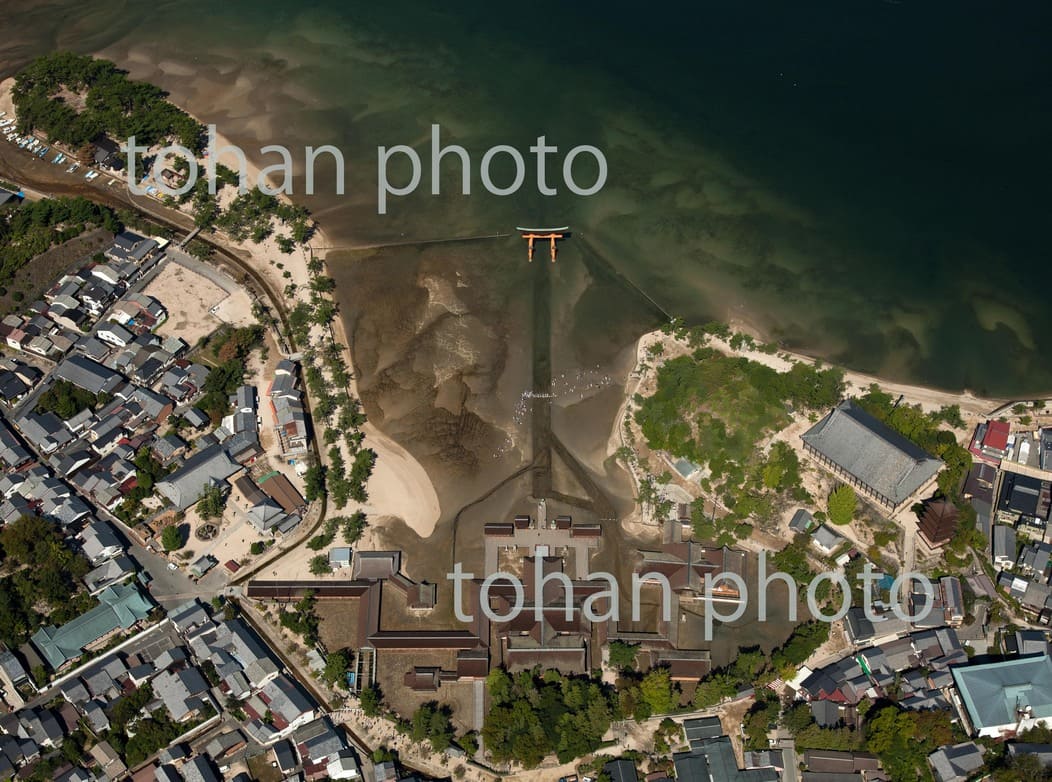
(544, 234)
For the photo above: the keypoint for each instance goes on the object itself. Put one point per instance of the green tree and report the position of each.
(314, 483)
(713, 689)
(212, 503)
(172, 538)
(319, 565)
(841, 505)
(336, 666)
(623, 655)
(658, 692)
(371, 700)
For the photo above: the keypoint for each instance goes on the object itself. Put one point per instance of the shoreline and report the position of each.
(929, 397)
(399, 485)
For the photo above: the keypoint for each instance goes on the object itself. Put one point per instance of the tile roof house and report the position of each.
(990, 441)
(880, 463)
(1008, 695)
(99, 542)
(712, 759)
(1024, 496)
(200, 769)
(958, 763)
(1043, 751)
(183, 692)
(121, 607)
(801, 522)
(44, 431)
(1004, 546)
(13, 454)
(188, 616)
(115, 334)
(288, 704)
(826, 540)
(317, 742)
(107, 574)
(87, 374)
(210, 467)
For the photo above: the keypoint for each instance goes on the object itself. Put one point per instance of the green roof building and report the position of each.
(1009, 695)
(120, 608)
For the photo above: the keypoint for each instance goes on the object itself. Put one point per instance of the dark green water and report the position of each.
(862, 179)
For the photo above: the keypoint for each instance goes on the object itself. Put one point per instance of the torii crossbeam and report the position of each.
(543, 234)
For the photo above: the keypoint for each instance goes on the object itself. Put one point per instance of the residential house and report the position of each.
(958, 763)
(826, 540)
(121, 607)
(87, 374)
(991, 441)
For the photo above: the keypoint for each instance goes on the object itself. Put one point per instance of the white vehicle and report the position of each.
(172, 566)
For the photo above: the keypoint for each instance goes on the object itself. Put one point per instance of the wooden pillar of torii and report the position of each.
(551, 235)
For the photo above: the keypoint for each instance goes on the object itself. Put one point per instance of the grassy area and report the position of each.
(715, 410)
(259, 769)
(40, 240)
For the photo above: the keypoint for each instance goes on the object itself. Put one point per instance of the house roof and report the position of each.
(957, 763)
(801, 521)
(825, 537)
(120, 607)
(872, 452)
(996, 435)
(281, 490)
(87, 374)
(994, 692)
(187, 485)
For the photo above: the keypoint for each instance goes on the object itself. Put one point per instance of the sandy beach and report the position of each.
(399, 485)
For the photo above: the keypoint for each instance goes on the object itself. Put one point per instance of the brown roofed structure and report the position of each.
(938, 522)
(376, 564)
(280, 489)
(294, 590)
(586, 531)
(421, 679)
(472, 664)
(501, 529)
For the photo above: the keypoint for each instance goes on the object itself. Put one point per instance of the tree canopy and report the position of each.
(33, 227)
(534, 714)
(73, 98)
(841, 504)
